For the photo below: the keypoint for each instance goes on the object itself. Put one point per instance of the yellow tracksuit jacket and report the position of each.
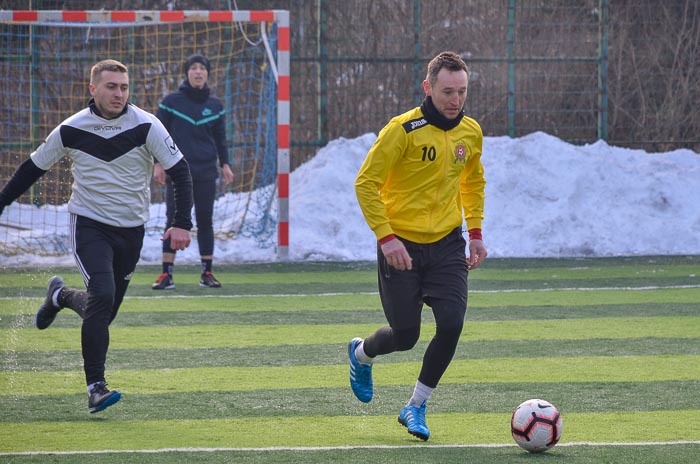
(418, 181)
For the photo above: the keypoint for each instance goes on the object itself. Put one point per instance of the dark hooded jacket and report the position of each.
(196, 120)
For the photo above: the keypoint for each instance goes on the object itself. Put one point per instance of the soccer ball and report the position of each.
(536, 425)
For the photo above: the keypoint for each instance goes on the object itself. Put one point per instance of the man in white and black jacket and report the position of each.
(112, 145)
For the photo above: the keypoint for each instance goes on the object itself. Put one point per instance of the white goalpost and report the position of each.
(45, 58)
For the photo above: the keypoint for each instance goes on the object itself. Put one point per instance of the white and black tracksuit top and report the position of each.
(112, 162)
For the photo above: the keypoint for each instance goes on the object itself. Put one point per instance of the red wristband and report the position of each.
(475, 234)
(388, 238)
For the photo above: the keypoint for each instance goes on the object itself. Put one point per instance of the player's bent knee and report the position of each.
(406, 339)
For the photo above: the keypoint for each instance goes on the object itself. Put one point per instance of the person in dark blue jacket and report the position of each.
(196, 120)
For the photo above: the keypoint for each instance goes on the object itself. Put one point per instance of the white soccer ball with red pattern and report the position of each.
(536, 425)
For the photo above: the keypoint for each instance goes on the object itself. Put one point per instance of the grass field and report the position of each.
(256, 372)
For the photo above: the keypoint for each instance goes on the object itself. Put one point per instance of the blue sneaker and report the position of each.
(413, 419)
(47, 311)
(360, 374)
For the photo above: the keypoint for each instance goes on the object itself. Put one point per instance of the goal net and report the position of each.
(45, 60)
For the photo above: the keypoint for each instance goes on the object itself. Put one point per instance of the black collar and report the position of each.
(197, 95)
(94, 109)
(433, 116)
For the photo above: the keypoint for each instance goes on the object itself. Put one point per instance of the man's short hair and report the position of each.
(106, 65)
(447, 60)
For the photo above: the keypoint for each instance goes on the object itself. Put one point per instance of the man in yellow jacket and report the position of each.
(421, 179)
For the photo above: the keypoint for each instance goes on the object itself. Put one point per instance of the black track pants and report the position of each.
(106, 257)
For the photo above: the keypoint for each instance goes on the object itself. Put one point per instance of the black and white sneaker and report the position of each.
(164, 282)
(101, 398)
(208, 280)
(47, 311)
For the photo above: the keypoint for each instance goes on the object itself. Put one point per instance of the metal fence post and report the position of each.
(418, 97)
(322, 75)
(603, 70)
(511, 68)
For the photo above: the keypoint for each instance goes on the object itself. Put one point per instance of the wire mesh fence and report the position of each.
(619, 70)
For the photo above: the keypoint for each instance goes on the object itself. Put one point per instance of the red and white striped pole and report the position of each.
(283, 52)
(281, 17)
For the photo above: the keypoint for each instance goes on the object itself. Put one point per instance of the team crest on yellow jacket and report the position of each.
(460, 153)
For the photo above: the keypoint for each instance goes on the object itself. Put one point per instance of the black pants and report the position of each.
(106, 257)
(438, 279)
(203, 196)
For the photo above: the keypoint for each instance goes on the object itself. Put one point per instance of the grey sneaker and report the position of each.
(208, 280)
(101, 398)
(47, 311)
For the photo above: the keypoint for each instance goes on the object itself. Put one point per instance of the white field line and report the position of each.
(336, 448)
(515, 290)
(292, 295)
